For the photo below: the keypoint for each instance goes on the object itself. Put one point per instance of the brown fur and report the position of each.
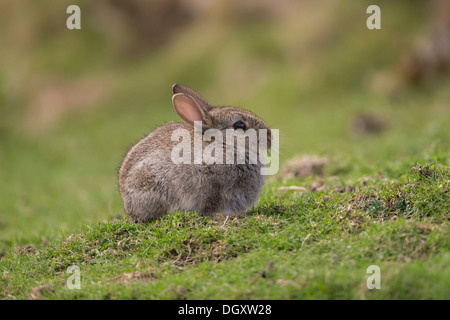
(151, 185)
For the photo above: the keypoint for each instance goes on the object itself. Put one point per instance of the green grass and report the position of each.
(314, 245)
(384, 196)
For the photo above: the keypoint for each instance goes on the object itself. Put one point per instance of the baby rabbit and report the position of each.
(152, 184)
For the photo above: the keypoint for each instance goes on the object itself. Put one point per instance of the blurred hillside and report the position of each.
(73, 101)
(225, 49)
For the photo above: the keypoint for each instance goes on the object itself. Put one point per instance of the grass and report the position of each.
(381, 199)
(314, 245)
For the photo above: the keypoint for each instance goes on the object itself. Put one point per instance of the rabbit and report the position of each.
(152, 185)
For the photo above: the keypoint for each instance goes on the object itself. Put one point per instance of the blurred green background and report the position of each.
(73, 101)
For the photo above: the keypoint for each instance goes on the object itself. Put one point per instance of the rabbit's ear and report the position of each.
(188, 109)
(178, 88)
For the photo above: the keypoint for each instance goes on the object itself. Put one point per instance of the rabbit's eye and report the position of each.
(239, 125)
